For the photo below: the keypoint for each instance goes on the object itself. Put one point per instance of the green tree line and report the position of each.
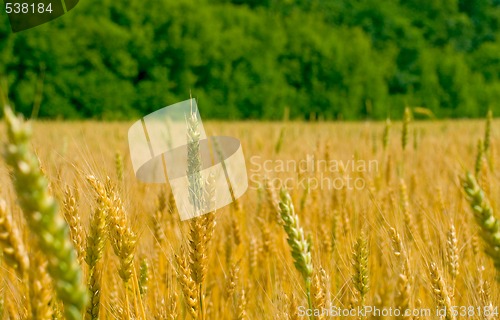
(253, 59)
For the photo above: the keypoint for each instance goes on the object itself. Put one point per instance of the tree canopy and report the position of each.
(252, 59)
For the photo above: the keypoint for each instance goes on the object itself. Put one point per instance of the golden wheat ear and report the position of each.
(14, 252)
(76, 232)
(96, 241)
(40, 289)
(188, 285)
(440, 291)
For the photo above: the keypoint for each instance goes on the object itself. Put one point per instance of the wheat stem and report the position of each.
(42, 214)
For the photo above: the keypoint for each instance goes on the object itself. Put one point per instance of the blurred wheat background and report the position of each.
(409, 239)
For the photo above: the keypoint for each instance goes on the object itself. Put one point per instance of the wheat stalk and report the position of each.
(41, 212)
(484, 216)
(123, 239)
(202, 198)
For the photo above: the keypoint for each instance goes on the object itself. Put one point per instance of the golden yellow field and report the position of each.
(423, 253)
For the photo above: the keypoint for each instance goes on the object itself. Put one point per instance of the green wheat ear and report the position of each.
(299, 245)
(41, 212)
(483, 213)
(297, 241)
(194, 164)
(406, 124)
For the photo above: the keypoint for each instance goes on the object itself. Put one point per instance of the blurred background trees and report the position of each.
(251, 59)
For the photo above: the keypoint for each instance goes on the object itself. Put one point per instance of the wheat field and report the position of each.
(415, 232)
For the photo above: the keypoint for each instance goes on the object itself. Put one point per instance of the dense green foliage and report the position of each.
(254, 58)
